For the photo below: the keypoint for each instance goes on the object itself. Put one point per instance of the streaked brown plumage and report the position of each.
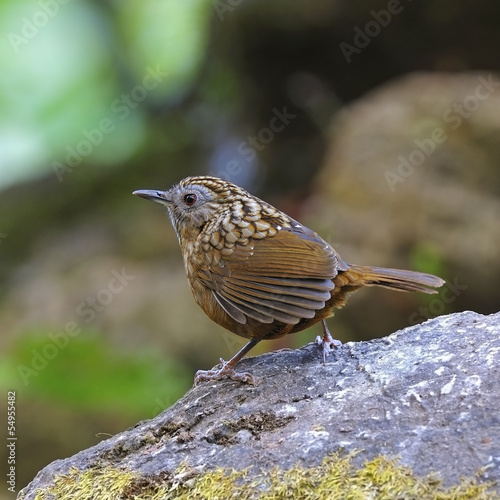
(259, 273)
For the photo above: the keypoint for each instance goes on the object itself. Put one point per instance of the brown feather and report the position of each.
(285, 278)
(397, 279)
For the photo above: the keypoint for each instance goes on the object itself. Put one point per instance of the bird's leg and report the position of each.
(227, 368)
(328, 342)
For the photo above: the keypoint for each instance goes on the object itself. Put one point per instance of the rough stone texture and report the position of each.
(428, 393)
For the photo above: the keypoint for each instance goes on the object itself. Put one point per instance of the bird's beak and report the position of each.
(158, 196)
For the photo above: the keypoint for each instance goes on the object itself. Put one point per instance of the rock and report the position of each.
(427, 394)
(403, 161)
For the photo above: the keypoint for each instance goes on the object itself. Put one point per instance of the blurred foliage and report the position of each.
(71, 90)
(428, 258)
(87, 373)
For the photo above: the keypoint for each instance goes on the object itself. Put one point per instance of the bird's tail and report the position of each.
(397, 279)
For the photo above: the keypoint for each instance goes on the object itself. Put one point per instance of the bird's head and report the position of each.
(195, 200)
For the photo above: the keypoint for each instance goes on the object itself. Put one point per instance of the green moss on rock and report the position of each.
(336, 478)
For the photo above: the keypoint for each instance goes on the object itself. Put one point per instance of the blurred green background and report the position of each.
(388, 146)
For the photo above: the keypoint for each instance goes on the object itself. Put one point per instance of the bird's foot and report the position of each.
(226, 370)
(328, 342)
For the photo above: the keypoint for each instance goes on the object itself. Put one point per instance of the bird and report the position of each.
(259, 273)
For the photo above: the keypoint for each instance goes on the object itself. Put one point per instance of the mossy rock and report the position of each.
(336, 478)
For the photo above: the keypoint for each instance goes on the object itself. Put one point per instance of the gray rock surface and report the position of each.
(428, 393)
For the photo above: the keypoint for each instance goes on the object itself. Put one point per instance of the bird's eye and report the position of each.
(190, 199)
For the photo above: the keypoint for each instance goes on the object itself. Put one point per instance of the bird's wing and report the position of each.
(285, 277)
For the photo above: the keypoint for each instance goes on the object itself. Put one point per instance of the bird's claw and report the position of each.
(328, 343)
(224, 371)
